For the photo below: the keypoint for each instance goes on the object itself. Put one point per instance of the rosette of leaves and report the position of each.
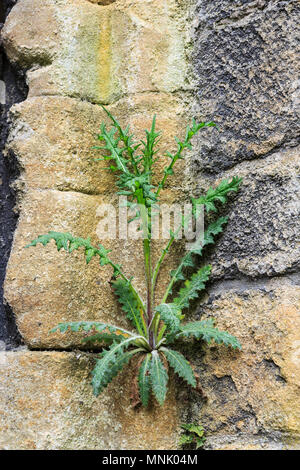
(155, 327)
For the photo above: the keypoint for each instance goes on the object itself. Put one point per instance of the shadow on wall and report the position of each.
(13, 89)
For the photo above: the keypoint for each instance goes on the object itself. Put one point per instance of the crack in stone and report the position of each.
(244, 283)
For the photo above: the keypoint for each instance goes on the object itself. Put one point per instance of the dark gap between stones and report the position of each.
(15, 92)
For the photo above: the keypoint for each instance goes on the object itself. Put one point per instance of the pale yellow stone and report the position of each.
(35, 42)
(53, 139)
(45, 287)
(46, 403)
(98, 53)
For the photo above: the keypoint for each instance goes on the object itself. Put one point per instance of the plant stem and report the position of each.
(148, 272)
(159, 263)
(167, 172)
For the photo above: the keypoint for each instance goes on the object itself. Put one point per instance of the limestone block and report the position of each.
(101, 53)
(254, 392)
(61, 190)
(245, 61)
(53, 139)
(35, 42)
(62, 413)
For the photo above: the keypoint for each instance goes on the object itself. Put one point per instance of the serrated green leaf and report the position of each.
(102, 338)
(186, 439)
(195, 428)
(71, 243)
(91, 325)
(192, 287)
(170, 314)
(144, 380)
(195, 434)
(159, 378)
(109, 364)
(200, 441)
(129, 304)
(212, 230)
(205, 330)
(180, 365)
(217, 194)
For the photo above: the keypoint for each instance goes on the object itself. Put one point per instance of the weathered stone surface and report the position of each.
(246, 65)
(96, 53)
(244, 441)
(261, 237)
(255, 391)
(37, 42)
(62, 413)
(52, 138)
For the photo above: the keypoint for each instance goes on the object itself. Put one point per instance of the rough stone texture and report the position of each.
(80, 55)
(246, 65)
(262, 236)
(138, 57)
(52, 138)
(255, 391)
(62, 413)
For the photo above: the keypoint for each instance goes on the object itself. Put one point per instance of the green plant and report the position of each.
(157, 326)
(193, 436)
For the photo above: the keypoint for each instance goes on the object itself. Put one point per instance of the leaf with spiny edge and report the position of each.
(110, 363)
(129, 304)
(195, 434)
(180, 365)
(192, 287)
(186, 439)
(90, 326)
(71, 243)
(212, 230)
(205, 330)
(217, 194)
(187, 261)
(186, 144)
(158, 377)
(170, 314)
(144, 380)
(195, 428)
(126, 138)
(102, 338)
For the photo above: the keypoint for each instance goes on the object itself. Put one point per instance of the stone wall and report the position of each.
(231, 61)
